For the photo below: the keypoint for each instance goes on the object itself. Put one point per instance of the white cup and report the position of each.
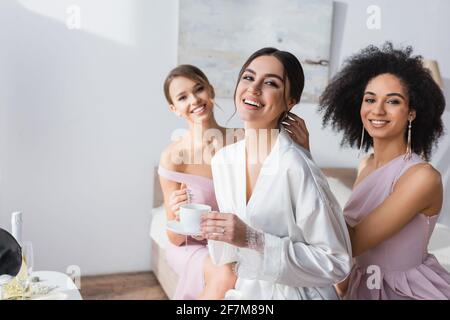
(191, 216)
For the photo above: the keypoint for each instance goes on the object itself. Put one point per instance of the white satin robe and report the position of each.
(307, 248)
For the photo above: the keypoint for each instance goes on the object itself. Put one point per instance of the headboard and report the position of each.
(158, 198)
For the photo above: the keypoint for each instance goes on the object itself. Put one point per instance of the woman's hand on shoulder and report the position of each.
(296, 127)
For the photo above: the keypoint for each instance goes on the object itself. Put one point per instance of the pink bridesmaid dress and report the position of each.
(406, 269)
(187, 260)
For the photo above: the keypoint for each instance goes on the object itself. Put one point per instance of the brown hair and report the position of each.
(190, 72)
(293, 71)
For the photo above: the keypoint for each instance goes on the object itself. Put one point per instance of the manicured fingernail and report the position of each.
(286, 123)
(288, 130)
(291, 118)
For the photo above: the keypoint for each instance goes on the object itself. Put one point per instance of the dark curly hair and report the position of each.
(341, 100)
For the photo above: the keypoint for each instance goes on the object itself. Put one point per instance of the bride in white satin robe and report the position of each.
(282, 225)
(306, 244)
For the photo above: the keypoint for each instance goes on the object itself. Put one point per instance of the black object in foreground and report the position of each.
(10, 254)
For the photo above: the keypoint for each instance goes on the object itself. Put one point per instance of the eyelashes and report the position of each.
(196, 90)
(267, 82)
(371, 101)
(272, 84)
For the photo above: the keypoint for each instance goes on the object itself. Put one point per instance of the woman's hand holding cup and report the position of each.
(178, 198)
(226, 227)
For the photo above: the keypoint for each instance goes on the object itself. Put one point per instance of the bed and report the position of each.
(340, 181)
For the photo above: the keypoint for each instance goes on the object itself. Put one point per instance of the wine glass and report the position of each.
(28, 256)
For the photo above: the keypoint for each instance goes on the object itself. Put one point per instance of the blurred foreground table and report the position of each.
(65, 287)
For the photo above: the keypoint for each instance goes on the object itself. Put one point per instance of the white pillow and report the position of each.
(340, 191)
(439, 245)
(158, 226)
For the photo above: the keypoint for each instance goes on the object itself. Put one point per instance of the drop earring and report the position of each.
(362, 143)
(408, 153)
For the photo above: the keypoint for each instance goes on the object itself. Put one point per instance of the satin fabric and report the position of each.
(188, 259)
(399, 268)
(307, 247)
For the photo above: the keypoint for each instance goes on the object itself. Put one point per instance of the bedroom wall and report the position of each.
(83, 118)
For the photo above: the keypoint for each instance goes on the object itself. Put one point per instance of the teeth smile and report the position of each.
(253, 103)
(378, 121)
(198, 109)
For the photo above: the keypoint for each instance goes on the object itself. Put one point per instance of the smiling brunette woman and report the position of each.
(278, 220)
(385, 99)
(185, 180)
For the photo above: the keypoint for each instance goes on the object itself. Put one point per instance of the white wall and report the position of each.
(83, 118)
(83, 121)
(405, 22)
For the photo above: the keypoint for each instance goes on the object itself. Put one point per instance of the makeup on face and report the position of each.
(384, 106)
(260, 91)
(190, 98)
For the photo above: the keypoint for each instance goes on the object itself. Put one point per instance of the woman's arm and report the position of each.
(322, 259)
(419, 190)
(169, 189)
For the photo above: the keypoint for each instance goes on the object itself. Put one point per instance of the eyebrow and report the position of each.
(394, 94)
(271, 75)
(184, 92)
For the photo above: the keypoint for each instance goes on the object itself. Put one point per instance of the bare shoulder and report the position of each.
(424, 174)
(363, 169)
(423, 183)
(364, 163)
(169, 156)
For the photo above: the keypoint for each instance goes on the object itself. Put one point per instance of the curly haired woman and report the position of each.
(385, 99)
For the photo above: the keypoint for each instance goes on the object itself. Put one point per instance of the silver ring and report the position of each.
(188, 194)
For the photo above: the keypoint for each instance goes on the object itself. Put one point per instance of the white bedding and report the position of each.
(158, 226)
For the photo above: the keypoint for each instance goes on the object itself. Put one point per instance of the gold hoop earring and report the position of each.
(408, 153)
